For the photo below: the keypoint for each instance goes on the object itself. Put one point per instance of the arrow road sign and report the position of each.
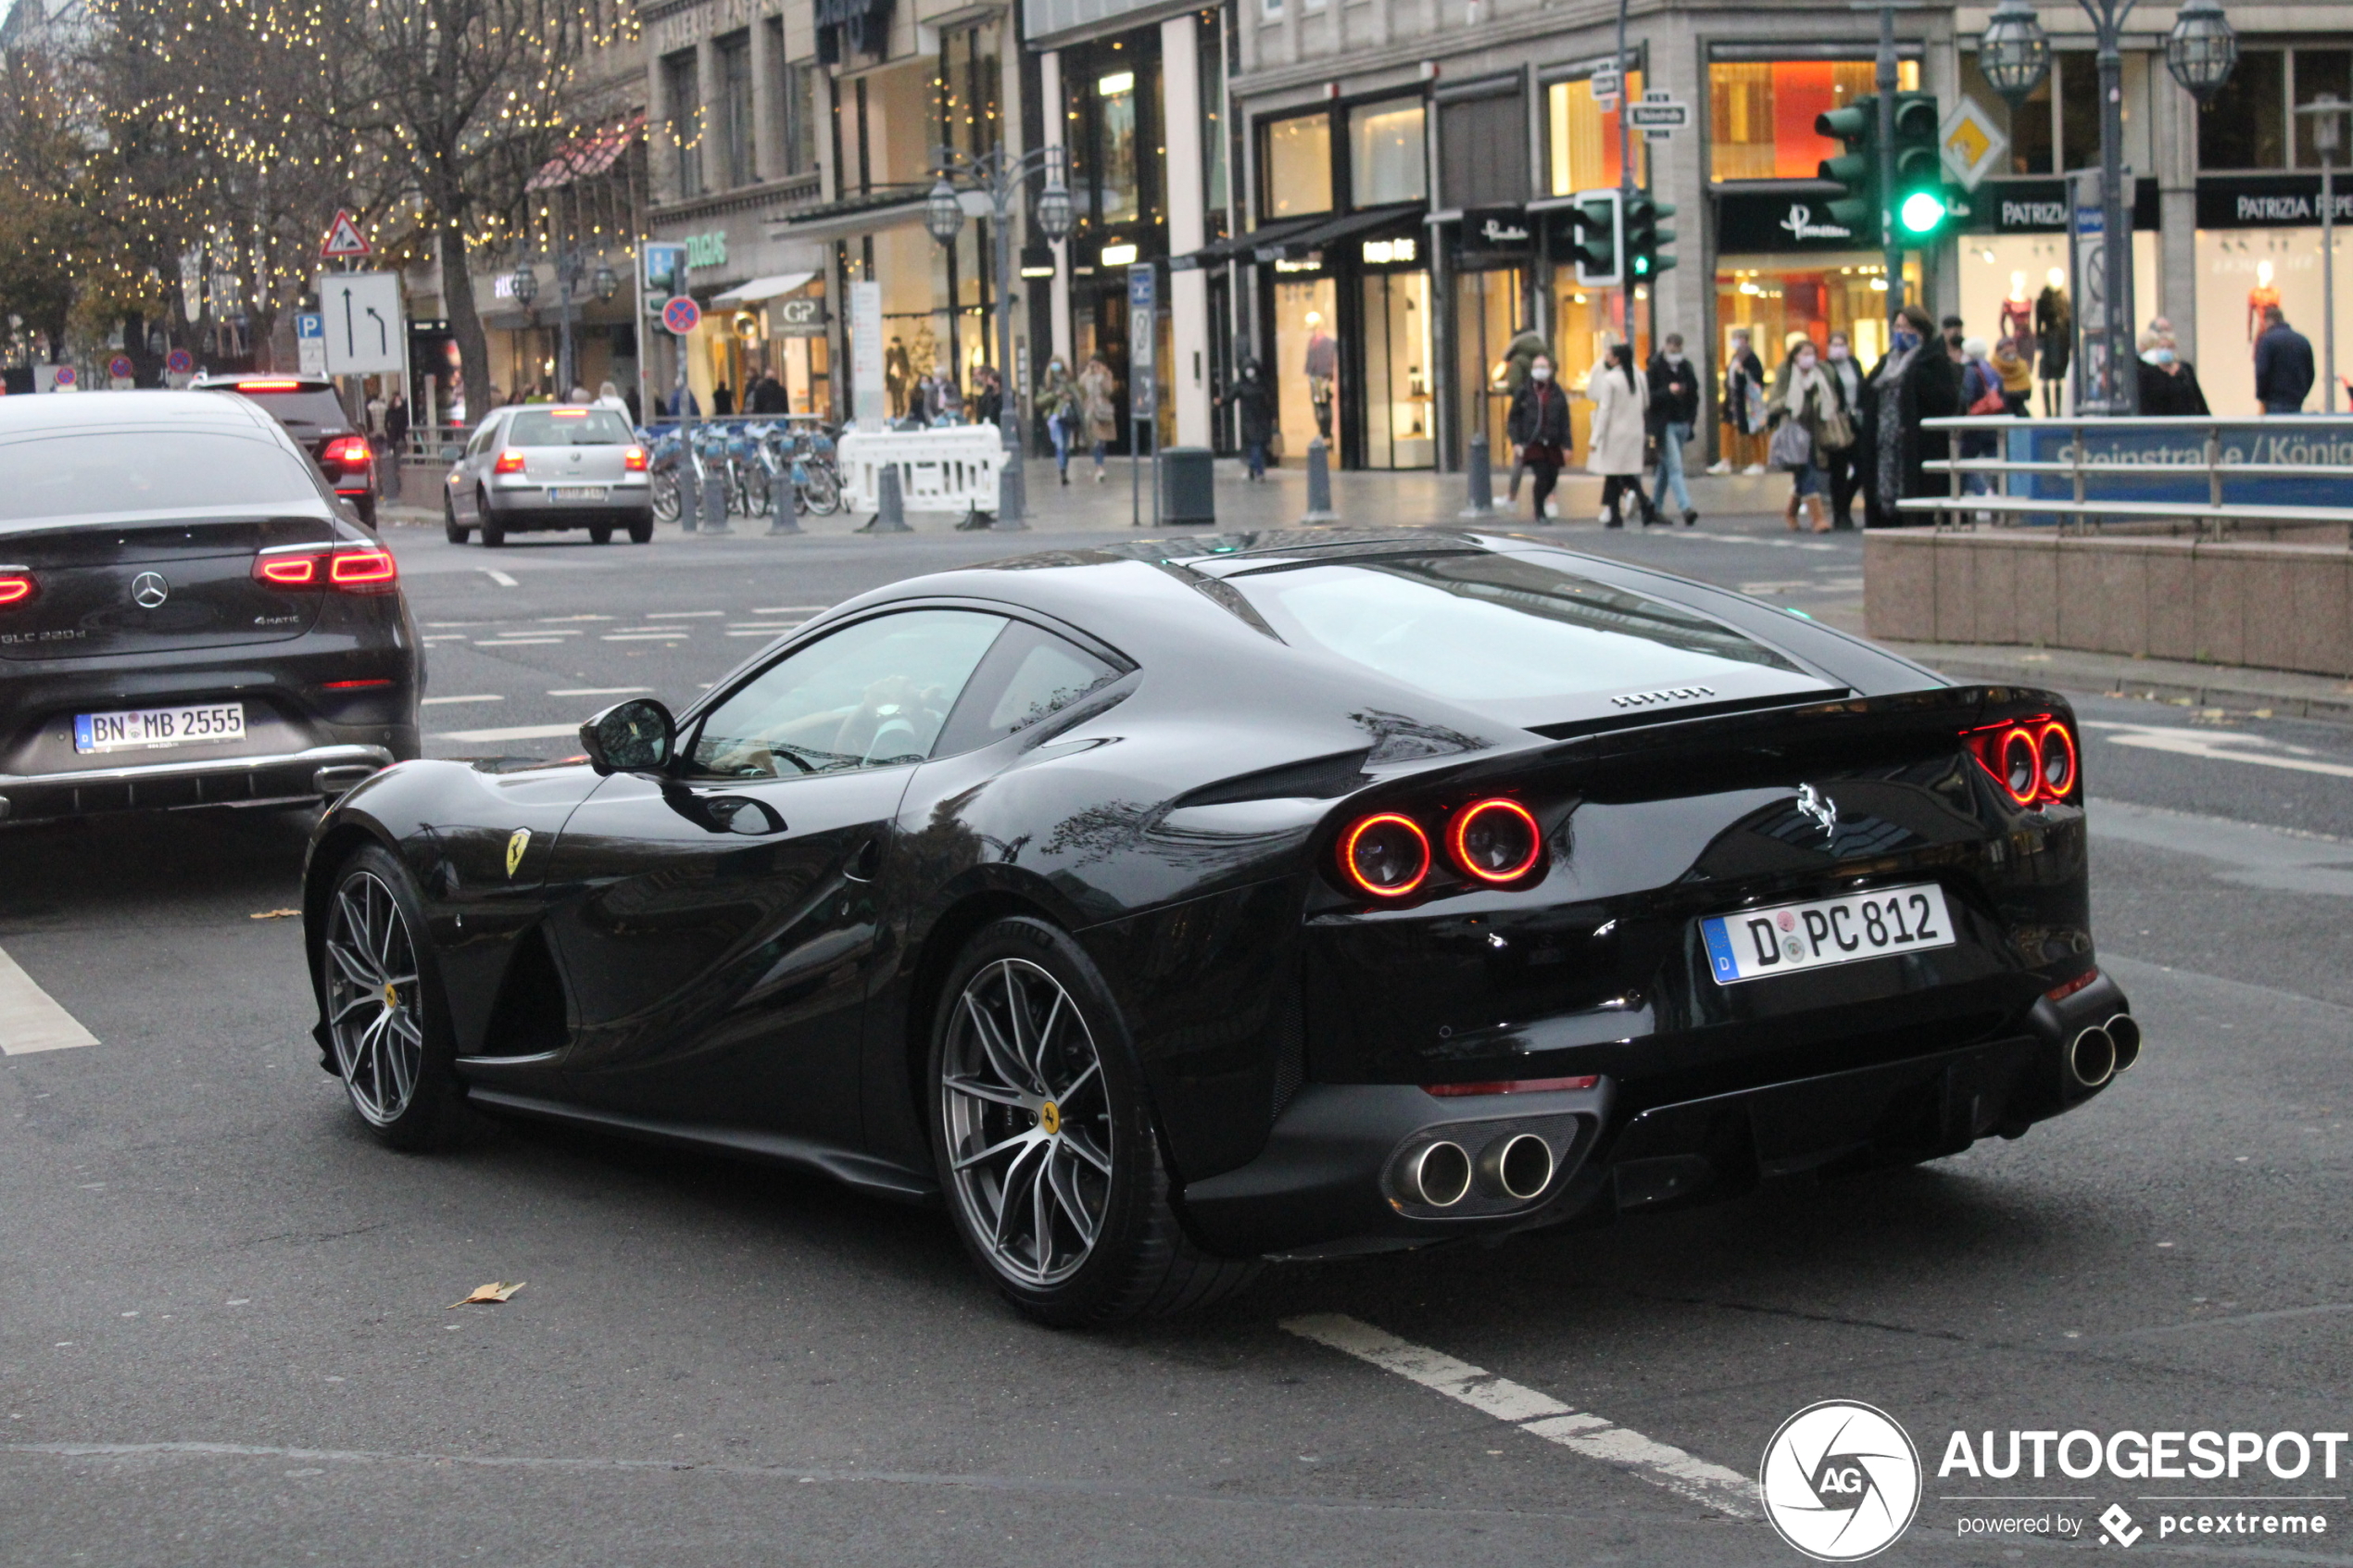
(363, 322)
(344, 238)
(682, 315)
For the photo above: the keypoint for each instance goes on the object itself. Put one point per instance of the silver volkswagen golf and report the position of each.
(549, 465)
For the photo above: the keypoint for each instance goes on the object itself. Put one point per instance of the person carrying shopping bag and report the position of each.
(1058, 400)
(1809, 418)
(1097, 387)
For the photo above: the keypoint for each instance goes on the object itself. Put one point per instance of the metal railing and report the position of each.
(2206, 475)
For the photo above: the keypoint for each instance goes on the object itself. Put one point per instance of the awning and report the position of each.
(761, 289)
(885, 208)
(1241, 248)
(584, 157)
(1332, 232)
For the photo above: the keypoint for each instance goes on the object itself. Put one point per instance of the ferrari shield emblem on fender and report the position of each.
(517, 842)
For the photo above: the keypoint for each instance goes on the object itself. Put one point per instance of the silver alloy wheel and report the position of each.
(1028, 1125)
(374, 1007)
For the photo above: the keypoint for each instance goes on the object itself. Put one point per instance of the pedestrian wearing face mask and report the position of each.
(1808, 403)
(1537, 426)
(2169, 382)
(1845, 466)
(1058, 400)
(1621, 401)
(1674, 411)
(1743, 409)
(1917, 381)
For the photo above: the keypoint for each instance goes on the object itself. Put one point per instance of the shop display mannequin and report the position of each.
(1323, 371)
(2054, 335)
(2017, 317)
(2262, 297)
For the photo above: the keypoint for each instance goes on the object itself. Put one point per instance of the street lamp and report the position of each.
(608, 281)
(2015, 54)
(1000, 176)
(2201, 50)
(2327, 111)
(525, 283)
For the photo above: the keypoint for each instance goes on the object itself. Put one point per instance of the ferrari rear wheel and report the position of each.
(1045, 1145)
(385, 1022)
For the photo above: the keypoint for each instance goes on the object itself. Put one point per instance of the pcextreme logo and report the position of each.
(1841, 1481)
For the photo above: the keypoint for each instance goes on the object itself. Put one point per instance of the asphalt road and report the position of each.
(226, 1337)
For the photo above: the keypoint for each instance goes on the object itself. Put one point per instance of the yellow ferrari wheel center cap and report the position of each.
(1050, 1118)
(391, 995)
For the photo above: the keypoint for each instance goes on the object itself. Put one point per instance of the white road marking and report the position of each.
(499, 577)
(559, 620)
(684, 614)
(645, 636)
(479, 696)
(791, 609)
(759, 631)
(2258, 857)
(519, 642)
(30, 1020)
(2217, 745)
(513, 731)
(1538, 1414)
(598, 691)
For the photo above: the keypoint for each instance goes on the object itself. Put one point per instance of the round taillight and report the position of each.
(1496, 840)
(1385, 854)
(2058, 761)
(2021, 771)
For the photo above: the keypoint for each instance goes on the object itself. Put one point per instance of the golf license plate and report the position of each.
(1787, 937)
(575, 493)
(145, 729)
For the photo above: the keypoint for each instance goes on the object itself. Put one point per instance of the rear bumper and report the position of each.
(1328, 1178)
(522, 509)
(315, 772)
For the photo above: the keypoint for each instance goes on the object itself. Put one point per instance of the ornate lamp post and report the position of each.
(1000, 177)
(2328, 112)
(2014, 56)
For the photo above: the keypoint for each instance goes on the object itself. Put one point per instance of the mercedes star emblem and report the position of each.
(149, 590)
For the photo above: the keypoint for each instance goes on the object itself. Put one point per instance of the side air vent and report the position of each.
(529, 1019)
(1326, 778)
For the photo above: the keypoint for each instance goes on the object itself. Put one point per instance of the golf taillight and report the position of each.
(1385, 854)
(1495, 841)
(509, 461)
(2033, 760)
(633, 459)
(353, 569)
(349, 451)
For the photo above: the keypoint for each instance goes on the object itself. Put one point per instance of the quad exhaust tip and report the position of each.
(2092, 1057)
(1439, 1175)
(1519, 1167)
(2124, 1031)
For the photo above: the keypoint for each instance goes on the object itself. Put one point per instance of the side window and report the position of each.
(480, 443)
(870, 695)
(1030, 675)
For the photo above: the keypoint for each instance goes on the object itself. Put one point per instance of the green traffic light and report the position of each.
(1921, 212)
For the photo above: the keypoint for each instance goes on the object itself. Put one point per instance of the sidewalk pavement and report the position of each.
(2262, 693)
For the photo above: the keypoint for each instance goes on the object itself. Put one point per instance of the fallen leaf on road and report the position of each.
(488, 1295)
(273, 914)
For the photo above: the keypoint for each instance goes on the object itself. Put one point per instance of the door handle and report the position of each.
(739, 814)
(865, 862)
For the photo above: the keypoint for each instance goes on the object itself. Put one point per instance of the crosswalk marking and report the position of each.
(30, 1020)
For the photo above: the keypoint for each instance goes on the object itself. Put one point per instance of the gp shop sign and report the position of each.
(797, 317)
(2267, 201)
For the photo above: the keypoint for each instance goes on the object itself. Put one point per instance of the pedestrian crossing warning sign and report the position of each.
(344, 238)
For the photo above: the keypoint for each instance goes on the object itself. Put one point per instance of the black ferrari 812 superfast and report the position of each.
(1160, 909)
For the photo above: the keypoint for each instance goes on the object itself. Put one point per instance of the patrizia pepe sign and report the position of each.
(2268, 201)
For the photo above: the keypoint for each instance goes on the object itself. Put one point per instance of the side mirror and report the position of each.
(630, 737)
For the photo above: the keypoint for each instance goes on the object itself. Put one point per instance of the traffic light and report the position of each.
(1856, 171)
(1600, 243)
(1920, 202)
(1646, 241)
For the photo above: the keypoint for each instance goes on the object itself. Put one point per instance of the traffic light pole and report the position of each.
(2122, 392)
(1624, 181)
(1885, 80)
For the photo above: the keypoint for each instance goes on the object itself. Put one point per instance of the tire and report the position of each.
(455, 532)
(1062, 1131)
(396, 1061)
(822, 494)
(641, 529)
(493, 535)
(601, 534)
(666, 497)
(366, 506)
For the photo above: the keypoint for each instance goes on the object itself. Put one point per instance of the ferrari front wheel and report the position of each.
(386, 1027)
(1045, 1145)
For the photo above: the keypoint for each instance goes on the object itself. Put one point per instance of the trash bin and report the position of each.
(1187, 485)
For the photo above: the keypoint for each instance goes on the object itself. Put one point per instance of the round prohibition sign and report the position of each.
(681, 315)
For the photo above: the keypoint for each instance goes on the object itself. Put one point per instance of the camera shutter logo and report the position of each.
(1841, 1481)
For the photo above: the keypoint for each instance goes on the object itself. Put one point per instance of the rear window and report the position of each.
(568, 427)
(150, 470)
(1509, 635)
(301, 409)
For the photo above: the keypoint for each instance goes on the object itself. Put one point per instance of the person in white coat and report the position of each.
(1621, 409)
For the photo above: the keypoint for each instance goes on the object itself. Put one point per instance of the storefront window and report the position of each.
(902, 125)
(1761, 113)
(1583, 140)
(1385, 159)
(1211, 57)
(1771, 296)
(1305, 343)
(1490, 308)
(1115, 102)
(1297, 161)
(2318, 71)
(2244, 125)
(2239, 270)
(681, 92)
(1399, 429)
(970, 79)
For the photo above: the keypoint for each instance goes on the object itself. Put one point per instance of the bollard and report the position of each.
(1482, 479)
(784, 495)
(890, 509)
(689, 491)
(714, 503)
(1319, 484)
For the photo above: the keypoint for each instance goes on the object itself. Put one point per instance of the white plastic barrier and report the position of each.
(952, 468)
